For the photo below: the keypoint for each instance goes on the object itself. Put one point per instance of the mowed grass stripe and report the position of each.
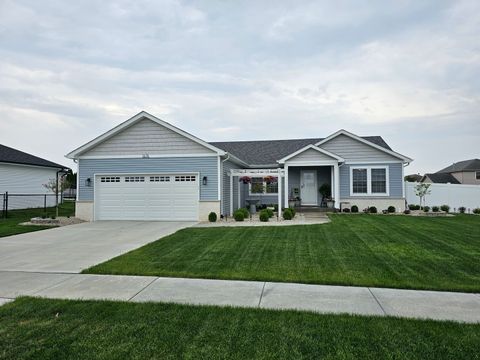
(361, 250)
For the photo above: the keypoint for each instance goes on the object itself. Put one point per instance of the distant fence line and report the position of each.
(27, 201)
(453, 195)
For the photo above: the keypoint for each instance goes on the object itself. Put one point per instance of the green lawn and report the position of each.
(363, 250)
(53, 329)
(10, 225)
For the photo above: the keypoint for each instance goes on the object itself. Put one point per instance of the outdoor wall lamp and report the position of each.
(88, 182)
(204, 180)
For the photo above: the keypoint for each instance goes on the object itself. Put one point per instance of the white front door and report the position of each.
(308, 187)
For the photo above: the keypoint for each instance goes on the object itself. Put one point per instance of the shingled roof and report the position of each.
(466, 165)
(442, 178)
(268, 152)
(13, 156)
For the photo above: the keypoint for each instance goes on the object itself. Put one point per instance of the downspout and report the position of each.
(405, 185)
(221, 184)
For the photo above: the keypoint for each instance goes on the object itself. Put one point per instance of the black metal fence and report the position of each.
(28, 201)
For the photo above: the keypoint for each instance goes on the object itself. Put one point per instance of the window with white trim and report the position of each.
(134, 178)
(477, 175)
(259, 186)
(159, 178)
(183, 178)
(369, 180)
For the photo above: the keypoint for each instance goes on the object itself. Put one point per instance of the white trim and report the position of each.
(141, 115)
(312, 163)
(369, 181)
(239, 195)
(315, 203)
(372, 162)
(279, 196)
(257, 172)
(231, 195)
(358, 138)
(336, 178)
(313, 147)
(77, 195)
(144, 156)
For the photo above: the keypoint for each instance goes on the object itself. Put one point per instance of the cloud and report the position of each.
(229, 71)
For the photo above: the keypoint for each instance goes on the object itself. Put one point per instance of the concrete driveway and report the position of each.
(71, 249)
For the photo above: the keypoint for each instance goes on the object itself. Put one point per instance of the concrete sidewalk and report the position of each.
(435, 305)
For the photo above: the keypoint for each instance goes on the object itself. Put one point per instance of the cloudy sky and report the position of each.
(234, 70)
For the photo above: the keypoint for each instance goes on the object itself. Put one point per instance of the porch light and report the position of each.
(204, 180)
(88, 182)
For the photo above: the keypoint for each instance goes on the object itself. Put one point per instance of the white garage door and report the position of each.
(147, 197)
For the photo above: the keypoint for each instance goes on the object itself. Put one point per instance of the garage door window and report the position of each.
(159, 178)
(185, 178)
(134, 178)
(110, 179)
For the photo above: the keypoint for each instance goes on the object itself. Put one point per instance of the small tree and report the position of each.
(63, 184)
(422, 190)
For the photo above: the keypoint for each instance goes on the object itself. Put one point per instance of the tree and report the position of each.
(422, 190)
(63, 184)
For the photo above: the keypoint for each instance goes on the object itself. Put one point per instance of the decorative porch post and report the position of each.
(336, 177)
(231, 194)
(286, 187)
(279, 184)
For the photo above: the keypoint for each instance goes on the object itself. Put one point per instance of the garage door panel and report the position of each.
(127, 197)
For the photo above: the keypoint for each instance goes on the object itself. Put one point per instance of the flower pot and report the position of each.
(330, 204)
(291, 203)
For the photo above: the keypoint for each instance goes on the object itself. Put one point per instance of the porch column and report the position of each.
(336, 178)
(279, 184)
(239, 186)
(286, 186)
(231, 194)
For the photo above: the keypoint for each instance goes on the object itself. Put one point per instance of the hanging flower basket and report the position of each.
(245, 179)
(270, 179)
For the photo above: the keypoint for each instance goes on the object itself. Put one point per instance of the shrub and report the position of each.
(293, 212)
(445, 208)
(245, 212)
(476, 211)
(287, 214)
(346, 210)
(418, 207)
(391, 209)
(372, 210)
(435, 208)
(238, 215)
(411, 206)
(269, 212)
(212, 217)
(264, 216)
(406, 212)
(354, 209)
(426, 208)
(462, 209)
(53, 217)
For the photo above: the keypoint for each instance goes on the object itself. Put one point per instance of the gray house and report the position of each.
(463, 172)
(148, 169)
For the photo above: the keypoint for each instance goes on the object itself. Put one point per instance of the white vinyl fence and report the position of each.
(453, 195)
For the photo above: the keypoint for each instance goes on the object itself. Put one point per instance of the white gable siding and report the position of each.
(310, 155)
(354, 150)
(149, 137)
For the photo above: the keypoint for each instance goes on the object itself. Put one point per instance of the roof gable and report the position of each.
(311, 152)
(466, 165)
(353, 147)
(14, 156)
(441, 178)
(138, 136)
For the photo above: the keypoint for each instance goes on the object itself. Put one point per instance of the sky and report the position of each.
(244, 70)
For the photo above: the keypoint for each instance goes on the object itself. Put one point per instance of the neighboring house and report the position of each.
(463, 172)
(22, 173)
(148, 169)
(413, 178)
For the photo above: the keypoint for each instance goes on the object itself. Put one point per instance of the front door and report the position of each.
(308, 186)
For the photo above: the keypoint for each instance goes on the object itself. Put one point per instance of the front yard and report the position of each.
(361, 250)
(10, 225)
(53, 329)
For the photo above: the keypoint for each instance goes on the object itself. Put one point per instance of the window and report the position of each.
(159, 178)
(369, 180)
(259, 186)
(359, 180)
(134, 178)
(185, 178)
(110, 179)
(477, 175)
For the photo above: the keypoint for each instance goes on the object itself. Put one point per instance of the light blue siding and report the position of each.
(395, 177)
(206, 166)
